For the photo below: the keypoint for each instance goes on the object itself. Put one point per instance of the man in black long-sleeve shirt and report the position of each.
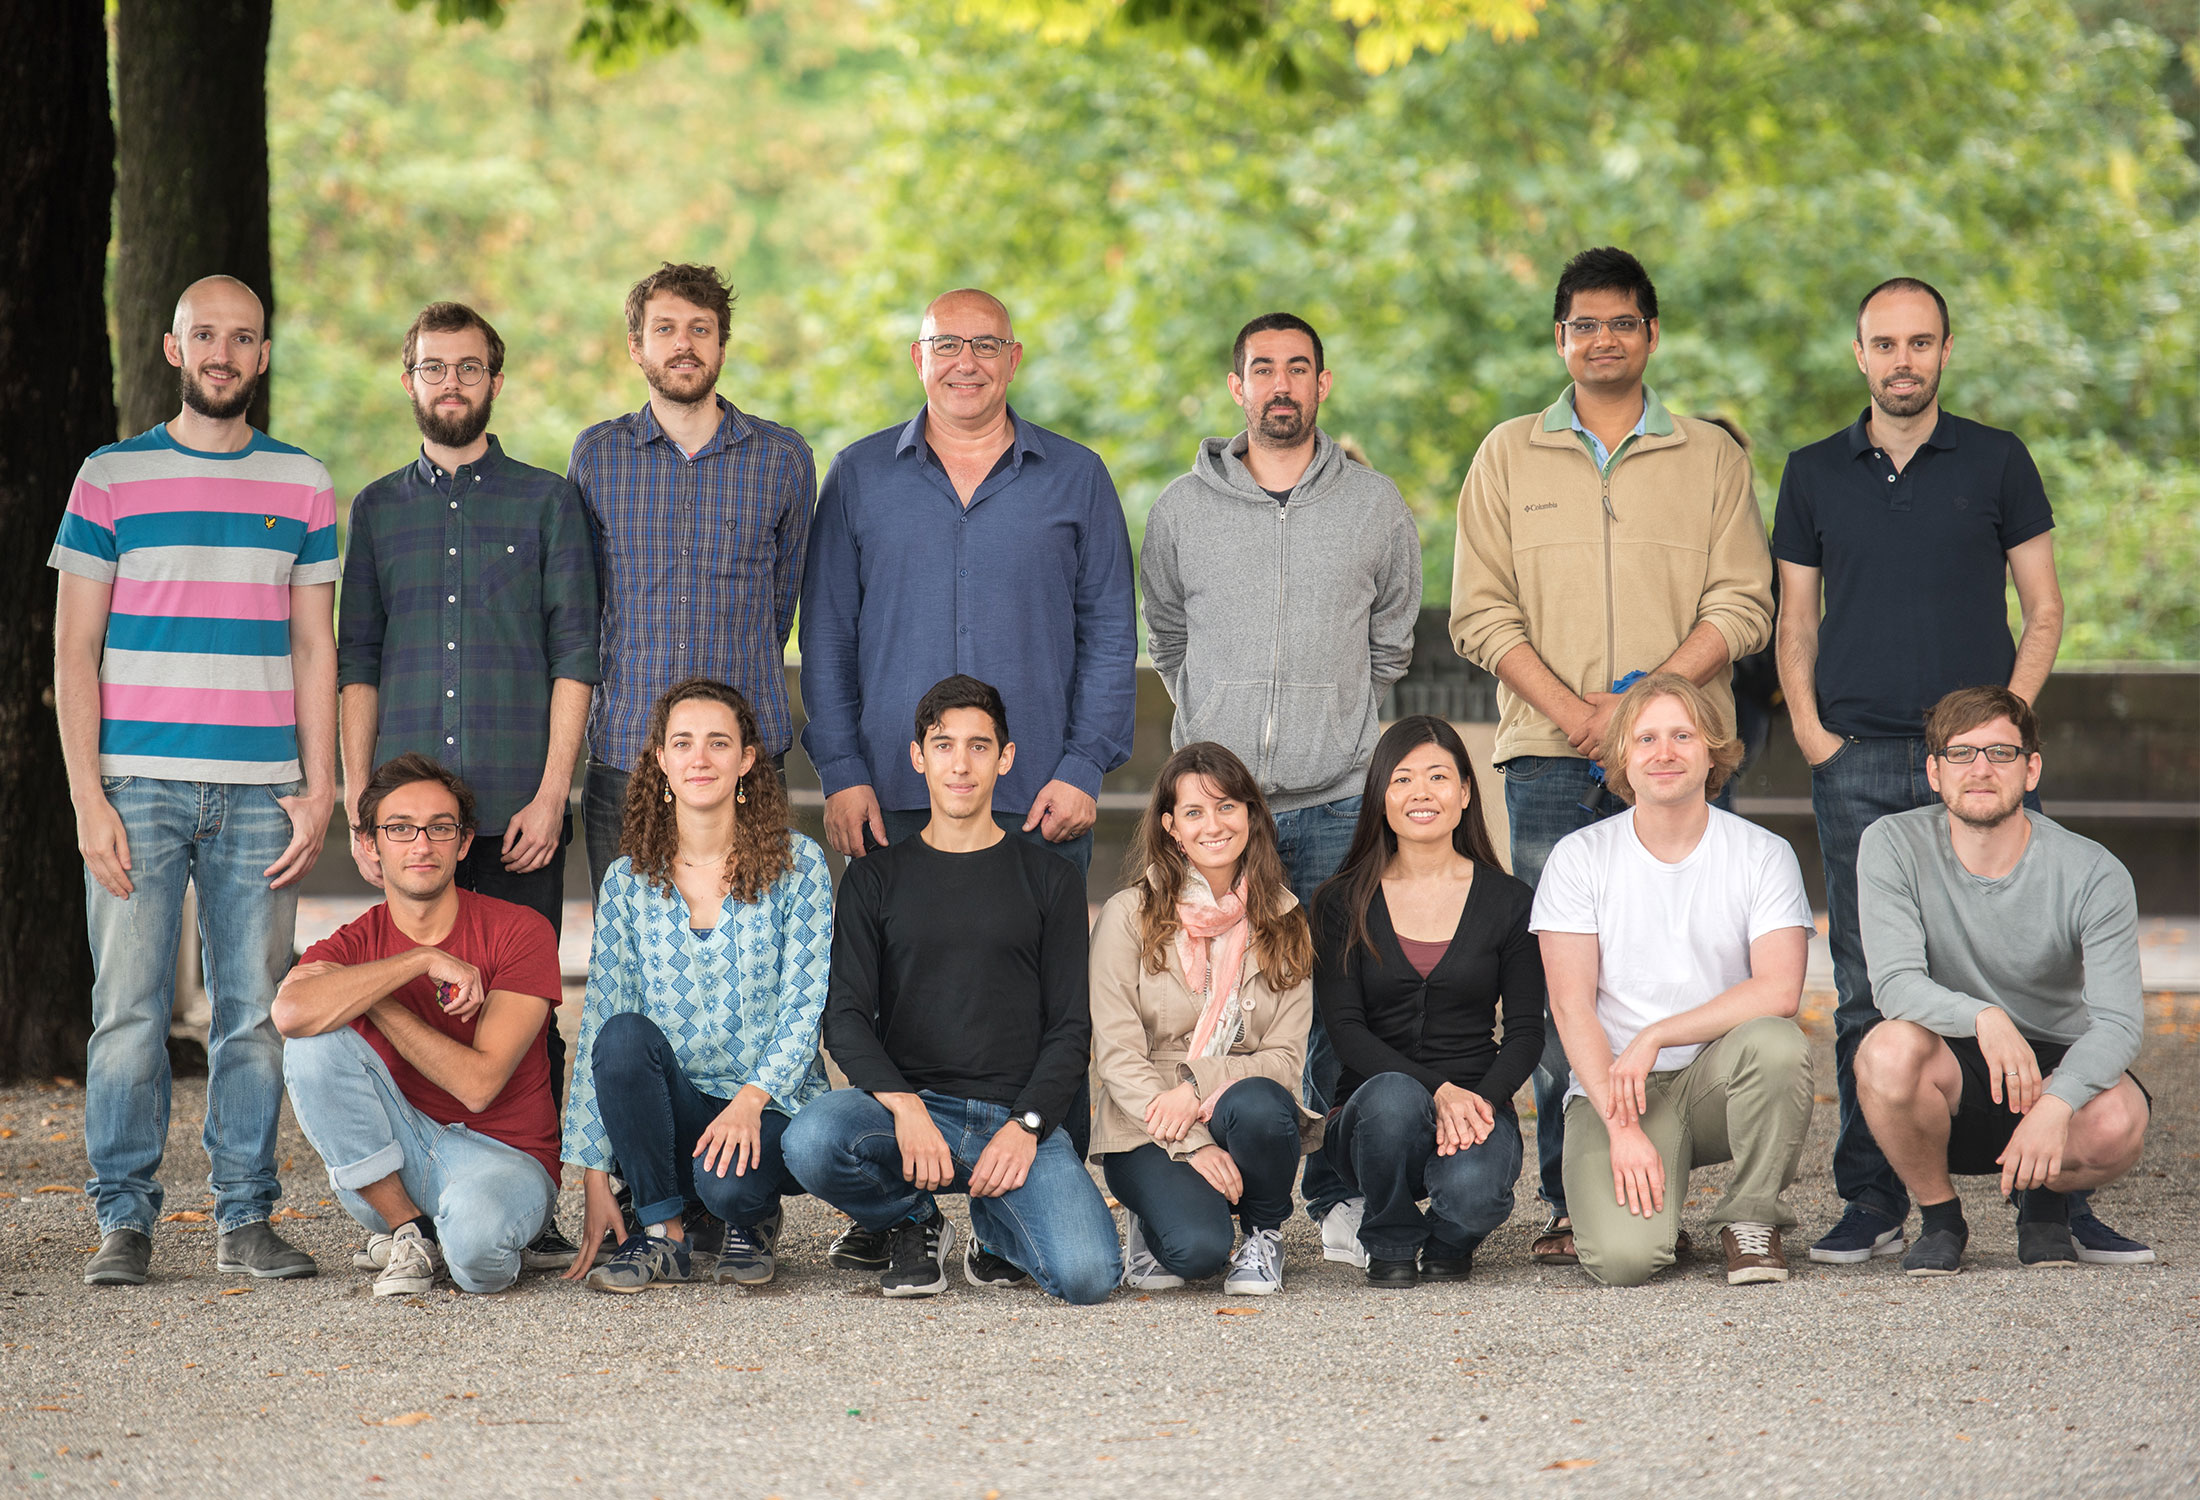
(958, 1011)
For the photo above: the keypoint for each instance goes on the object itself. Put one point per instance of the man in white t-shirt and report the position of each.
(1673, 942)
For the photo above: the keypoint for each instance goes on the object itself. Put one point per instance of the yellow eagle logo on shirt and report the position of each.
(270, 522)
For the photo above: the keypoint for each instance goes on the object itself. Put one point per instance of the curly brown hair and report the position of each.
(701, 285)
(762, 849)
(1282, 942)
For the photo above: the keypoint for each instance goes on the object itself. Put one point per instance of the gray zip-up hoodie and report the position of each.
(1279, 627)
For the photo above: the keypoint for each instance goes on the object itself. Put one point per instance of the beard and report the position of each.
(1927, 392)
(218, 406)
(1284, 426)
(2001, 813)
(453, 430)
(686, 386)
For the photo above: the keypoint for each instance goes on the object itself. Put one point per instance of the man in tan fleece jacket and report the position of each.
(1599, 537)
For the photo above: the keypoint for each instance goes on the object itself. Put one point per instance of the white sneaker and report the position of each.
(373, 1255)
(415, 1262)
(1140, 1269)
(1341, 1233)
(1257, 1268)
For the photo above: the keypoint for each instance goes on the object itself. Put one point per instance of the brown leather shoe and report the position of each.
(1752, 1254)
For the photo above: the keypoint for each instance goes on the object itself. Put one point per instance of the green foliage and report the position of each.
(614, 33)
(2127, 540)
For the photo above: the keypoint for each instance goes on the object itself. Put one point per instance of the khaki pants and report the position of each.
(1745, 1099)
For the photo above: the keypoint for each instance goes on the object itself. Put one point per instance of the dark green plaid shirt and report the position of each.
(465, 596)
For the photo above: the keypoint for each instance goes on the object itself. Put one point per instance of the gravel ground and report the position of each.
(1853, 1381)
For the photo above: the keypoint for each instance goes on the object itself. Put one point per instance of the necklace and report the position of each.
(701, 864)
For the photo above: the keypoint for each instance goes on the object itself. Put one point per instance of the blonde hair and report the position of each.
(1718, 735)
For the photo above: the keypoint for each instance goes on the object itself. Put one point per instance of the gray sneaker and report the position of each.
(256, 1249)
(1257, 1268)
(644, 1261)
(413, 1265)
(123, 1258)
(373, 1255)
(747, 1258)
(1142, 1272)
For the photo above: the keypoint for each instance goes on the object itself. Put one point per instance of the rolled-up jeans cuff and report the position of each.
(368, 1170)
(665, 1212)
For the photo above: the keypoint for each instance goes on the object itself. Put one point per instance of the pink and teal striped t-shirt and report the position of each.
(202, 550)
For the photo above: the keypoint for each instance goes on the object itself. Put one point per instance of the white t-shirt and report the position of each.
(1669, 937)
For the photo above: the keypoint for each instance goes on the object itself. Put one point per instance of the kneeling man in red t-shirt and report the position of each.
(415, 1055)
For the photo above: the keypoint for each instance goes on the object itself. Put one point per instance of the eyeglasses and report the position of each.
(405, 833)
(433, 371)
(985, 345)
(1586, 328)
(2000, 755)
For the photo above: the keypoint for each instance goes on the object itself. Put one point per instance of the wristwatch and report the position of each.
(1032, 1121)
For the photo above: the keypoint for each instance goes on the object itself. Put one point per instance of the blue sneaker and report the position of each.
(641, 1262)
(1862, 1234)
(2099, 1245)
(749, 1256)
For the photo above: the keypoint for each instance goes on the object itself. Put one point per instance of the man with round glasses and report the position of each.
(1600, 539)
(414, 1055)
(2004, 955)
(467, 631)
(1897, 539)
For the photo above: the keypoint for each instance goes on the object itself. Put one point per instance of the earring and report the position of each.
(740, 790)
(668, 790)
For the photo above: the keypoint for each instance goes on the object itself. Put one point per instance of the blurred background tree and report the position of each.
(1137, 178)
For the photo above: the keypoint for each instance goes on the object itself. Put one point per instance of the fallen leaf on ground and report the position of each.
(402, 1419)
(236, 1291)
(1236, 1312)
(57, 1187)
(1571, 1463)
(184, 1216)
(7, 1135)
(49, 1408)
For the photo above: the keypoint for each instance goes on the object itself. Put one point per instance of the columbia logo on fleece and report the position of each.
(1529, 510)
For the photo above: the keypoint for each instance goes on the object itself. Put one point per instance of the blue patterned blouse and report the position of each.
(740, 1004)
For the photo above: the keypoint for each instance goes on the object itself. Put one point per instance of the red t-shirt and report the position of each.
(514, 950)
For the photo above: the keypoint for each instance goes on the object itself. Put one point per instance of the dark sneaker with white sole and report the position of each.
(1863, 1234)
(981, 1267)
(2045, 1243)
(916, 1258)
(257, 1250)
(2099, 1245)
(746, 1257)
(858, 1249)
(124, 1258)
(643, 1261)
(549, 1251)
(1936, 1253)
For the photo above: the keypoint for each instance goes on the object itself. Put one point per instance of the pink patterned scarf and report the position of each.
(1211, 948)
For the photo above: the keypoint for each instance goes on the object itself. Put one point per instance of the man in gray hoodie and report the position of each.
(1281, 581)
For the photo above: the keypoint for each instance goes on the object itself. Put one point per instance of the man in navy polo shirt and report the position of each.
(1905, 524)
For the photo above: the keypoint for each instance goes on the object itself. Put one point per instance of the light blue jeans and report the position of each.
(487, 1199)
(221, 837)
(1056, 1226)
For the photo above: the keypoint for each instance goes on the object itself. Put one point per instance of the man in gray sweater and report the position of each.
(2003, 951)
(1281, 581)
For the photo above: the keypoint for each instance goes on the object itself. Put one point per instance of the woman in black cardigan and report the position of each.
(1422, 940)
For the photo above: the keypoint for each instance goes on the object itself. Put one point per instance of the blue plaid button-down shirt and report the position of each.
(465, 596)
(700, 562)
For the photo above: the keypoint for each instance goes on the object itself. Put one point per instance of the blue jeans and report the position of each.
(1189, 1225)
(221, 837)
(1384, 1142)
(654, 1116)
(1056, 1226)
(1546, 798)
(1078, 851)
(1313, 841)
(487, 1199)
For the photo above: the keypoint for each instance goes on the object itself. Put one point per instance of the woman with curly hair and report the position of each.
(700, 1031)
(1201, 999)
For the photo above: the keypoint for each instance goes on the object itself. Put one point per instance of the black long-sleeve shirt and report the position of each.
(963, 974)
(1383, 1017)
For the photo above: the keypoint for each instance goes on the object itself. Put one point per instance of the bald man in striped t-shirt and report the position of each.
(195, 682)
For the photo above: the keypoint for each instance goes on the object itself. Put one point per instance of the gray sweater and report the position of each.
(2054, 943)
(1278, 628)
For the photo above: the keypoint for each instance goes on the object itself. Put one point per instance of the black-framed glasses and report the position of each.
(434, 371)
(985, 345)
(2000, 755)
(405, 833)
(1586, 328)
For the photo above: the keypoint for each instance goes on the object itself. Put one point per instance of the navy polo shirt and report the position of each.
(1915, 566)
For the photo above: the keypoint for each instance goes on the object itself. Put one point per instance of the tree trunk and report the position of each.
(57, 389)
(191, 108)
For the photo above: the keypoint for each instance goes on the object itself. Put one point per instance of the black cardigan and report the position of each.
(1383, 1017)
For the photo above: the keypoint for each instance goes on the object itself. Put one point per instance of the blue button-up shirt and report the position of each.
(465, 596)
(1028, 588)
(700, 561)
